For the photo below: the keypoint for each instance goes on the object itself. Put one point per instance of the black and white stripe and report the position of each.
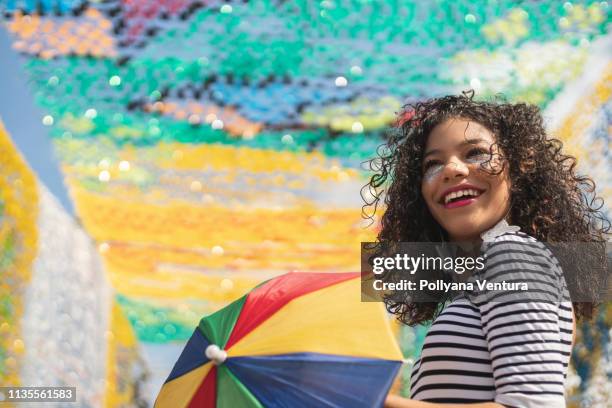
(513, 352)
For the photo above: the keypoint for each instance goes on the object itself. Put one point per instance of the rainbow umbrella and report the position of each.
(298, 340)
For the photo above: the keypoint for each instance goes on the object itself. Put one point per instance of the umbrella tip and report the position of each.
(215, 354)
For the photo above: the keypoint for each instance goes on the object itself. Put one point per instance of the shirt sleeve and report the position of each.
(527, 333)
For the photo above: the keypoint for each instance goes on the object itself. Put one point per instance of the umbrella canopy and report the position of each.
(298, 340)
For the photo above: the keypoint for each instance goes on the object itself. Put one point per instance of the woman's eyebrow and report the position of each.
(463, 143)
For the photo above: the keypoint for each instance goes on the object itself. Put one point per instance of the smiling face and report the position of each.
(462, 197)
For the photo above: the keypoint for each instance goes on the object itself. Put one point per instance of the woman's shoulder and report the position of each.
(514, 256)
(510, 242)
(519, 251)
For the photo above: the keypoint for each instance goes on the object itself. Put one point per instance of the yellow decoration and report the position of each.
(121, 349)
(18, 223)
(179, 225)
(369, 114)
(582, 17)
(576, 124)
(157, 246)
(510, 29)
(77, 125)
(229, 160)
(223, 157)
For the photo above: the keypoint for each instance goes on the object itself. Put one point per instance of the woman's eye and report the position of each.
(477, 152)
(431, 169)
(478, 155)
(430, 163)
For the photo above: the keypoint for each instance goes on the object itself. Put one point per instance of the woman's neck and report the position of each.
(469, 246)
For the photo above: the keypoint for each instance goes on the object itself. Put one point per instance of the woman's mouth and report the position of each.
(460, 198)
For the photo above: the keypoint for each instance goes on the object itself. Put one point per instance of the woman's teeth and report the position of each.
(461, 193)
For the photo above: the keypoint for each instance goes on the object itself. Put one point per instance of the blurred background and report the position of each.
(160, 158)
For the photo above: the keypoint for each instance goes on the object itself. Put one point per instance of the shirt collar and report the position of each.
(498, 229)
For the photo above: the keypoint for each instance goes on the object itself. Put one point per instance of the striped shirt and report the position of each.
(513, 352)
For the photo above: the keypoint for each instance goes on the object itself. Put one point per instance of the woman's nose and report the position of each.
(455, 168)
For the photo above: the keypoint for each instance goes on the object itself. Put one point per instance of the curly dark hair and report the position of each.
(549, 200)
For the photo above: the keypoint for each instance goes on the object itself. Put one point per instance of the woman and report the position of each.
(486, 174)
